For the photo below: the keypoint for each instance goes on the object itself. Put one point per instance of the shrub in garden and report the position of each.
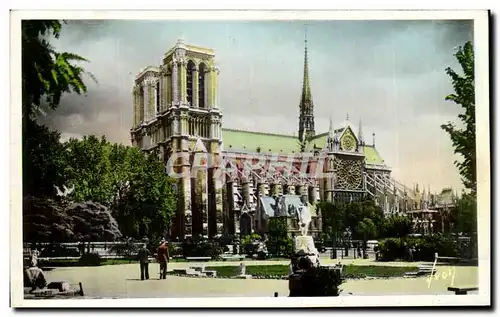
(202, 249)
(426, 247)
(90, 259)
(249, 244)
(127, 249)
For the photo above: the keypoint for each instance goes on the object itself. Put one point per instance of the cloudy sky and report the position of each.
(390, 74)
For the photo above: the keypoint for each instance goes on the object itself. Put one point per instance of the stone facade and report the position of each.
(176, 112)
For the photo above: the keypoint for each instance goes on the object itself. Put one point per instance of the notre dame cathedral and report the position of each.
(176, 111)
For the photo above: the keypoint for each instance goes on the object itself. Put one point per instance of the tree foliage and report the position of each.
(51, 220)
(43, 160)
(367, 229)
(121, 178)
(46, 73)
(341, 217)
(133, 184)
(397, 226)
(279, 243)
(465, 215)
(464, 138)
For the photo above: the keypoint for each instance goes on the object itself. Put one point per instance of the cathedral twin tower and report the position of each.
(176, 111)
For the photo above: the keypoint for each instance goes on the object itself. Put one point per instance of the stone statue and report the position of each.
(34, 258)
(304, 219)
(242, 269)
(279, 205)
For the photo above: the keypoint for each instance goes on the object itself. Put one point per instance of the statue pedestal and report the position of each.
(306, 244)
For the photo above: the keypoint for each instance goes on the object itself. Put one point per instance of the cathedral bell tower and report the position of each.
(306, 118)
(192, 122)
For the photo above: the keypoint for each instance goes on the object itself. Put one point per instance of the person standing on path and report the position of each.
(143, 257)
(163, 258)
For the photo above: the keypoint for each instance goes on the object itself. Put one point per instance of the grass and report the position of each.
(350, 271)
(74, 262)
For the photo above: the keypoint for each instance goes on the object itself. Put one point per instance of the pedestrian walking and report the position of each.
(163, 258)
(143, 257)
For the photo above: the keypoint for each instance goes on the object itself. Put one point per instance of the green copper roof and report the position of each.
(371, 155)
(318, 141)
(239, 140)
(267, 142)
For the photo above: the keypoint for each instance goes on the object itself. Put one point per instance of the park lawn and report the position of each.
(349, 271)
(75, 262)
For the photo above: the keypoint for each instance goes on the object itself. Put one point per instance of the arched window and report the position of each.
(201, 85)
(189, 80)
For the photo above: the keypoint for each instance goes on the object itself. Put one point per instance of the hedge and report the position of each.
(426, 247)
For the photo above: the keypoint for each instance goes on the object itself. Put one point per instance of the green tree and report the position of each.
(46, 73)
(464, 138)
(465, 215)
(132, 184)
(43, 160)
(279, 243)
(333, 219)
(357, 211)
(397, 227)
(89, 170)
(367, 229)
(150, 201)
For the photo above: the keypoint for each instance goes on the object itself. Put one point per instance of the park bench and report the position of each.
(462, 290)
(198, 258)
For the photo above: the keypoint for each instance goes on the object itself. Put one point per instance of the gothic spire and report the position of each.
(306, 89)
(360, 133)
(306, 119)
(331, 133)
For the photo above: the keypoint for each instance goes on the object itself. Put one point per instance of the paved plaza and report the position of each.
(123, 281)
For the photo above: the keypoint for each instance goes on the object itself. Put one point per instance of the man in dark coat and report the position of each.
(143, 257)
(163, 258)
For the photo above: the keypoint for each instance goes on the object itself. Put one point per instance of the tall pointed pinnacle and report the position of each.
(331, 133)
(306, 89)
(360, 133)
(306, 118)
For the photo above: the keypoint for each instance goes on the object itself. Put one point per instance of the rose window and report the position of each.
(348, 174)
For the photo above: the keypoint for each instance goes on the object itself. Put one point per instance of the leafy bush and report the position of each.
(425, 248)
(127, 249)
(248, 244)
(202, 249)
(90, 259)
(281, 247)
(390, 249)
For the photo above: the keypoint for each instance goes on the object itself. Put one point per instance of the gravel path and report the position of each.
(123, 281)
